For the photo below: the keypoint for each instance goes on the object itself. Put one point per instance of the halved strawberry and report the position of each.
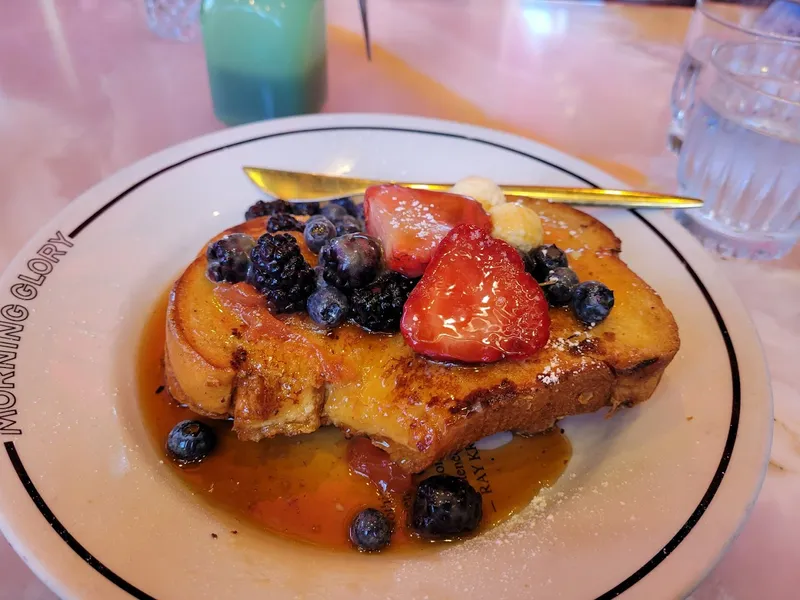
(476, 302)
(411, 223)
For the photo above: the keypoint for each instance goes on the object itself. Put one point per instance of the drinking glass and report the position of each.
(741, 153)
(173, 19)
(265, 58)
(717, 21)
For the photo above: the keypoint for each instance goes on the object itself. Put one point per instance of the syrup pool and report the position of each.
(308, 488)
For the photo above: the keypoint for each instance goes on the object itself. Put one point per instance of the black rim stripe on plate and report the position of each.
(637, 576)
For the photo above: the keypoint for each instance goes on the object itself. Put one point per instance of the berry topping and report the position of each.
(334, 212)
(445, 506)
(284, 222)
(229, 258)
(304, 208)
(264, 209)
(518, 225)
(190, 442)
(328, 307)
(351, 261)
(559, 285)
(379, 306)
(476, 303)
(411, 223)
(348, 205)
(370, 530)
(318, 232)
(280, 272)
(319, 276)
(543, 259)
(347, 225)
(591, 302)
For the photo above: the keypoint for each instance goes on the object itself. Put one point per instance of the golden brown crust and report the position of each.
(296, 378)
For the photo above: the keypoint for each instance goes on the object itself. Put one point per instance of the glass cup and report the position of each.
(741, 153)
(717, 21)
(173, 19)
(265, 58)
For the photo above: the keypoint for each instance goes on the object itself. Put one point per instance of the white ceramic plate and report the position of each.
(649, 502)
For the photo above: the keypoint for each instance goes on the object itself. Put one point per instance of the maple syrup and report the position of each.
(309, 487)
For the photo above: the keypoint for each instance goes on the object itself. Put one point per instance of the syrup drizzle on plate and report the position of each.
(308, 488)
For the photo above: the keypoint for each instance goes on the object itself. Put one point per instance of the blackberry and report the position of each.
(304, 208)
(263, 209)
(379, 307)
(279, 271)
(284, 222)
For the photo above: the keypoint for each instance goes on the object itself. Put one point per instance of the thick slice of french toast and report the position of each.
(228, 356)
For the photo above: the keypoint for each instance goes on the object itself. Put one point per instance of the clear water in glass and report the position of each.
(718, 21)
(174, 19)
(741, 153)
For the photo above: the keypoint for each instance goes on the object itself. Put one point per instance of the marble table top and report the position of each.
(86, 89)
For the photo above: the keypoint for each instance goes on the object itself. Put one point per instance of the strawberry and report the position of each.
(411, 223)
(476, 303)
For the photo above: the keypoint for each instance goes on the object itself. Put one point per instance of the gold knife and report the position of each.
(313, 187)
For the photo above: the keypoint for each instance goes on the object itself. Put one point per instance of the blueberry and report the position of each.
(370, 530)
(318, 232)
(351, 261)
(190, 442)
(591, 302)
(559, 286)
(320, 278)
(229, 258)
(334, 212)
(347, 225)
(445, 506)
(358, 212)
(540, 261)
(328, 307)
(304, 208)
(347, 204)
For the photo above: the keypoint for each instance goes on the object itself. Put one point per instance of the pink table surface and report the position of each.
(85, 89)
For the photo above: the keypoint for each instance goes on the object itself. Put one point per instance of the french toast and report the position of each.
(228, 357)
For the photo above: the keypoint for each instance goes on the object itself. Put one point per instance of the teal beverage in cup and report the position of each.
(266, 58)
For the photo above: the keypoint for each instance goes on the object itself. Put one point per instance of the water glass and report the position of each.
(717, 21)
(741, 153)
(174, 19)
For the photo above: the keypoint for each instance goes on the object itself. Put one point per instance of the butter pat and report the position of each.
(484, 190)
(518, 225)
